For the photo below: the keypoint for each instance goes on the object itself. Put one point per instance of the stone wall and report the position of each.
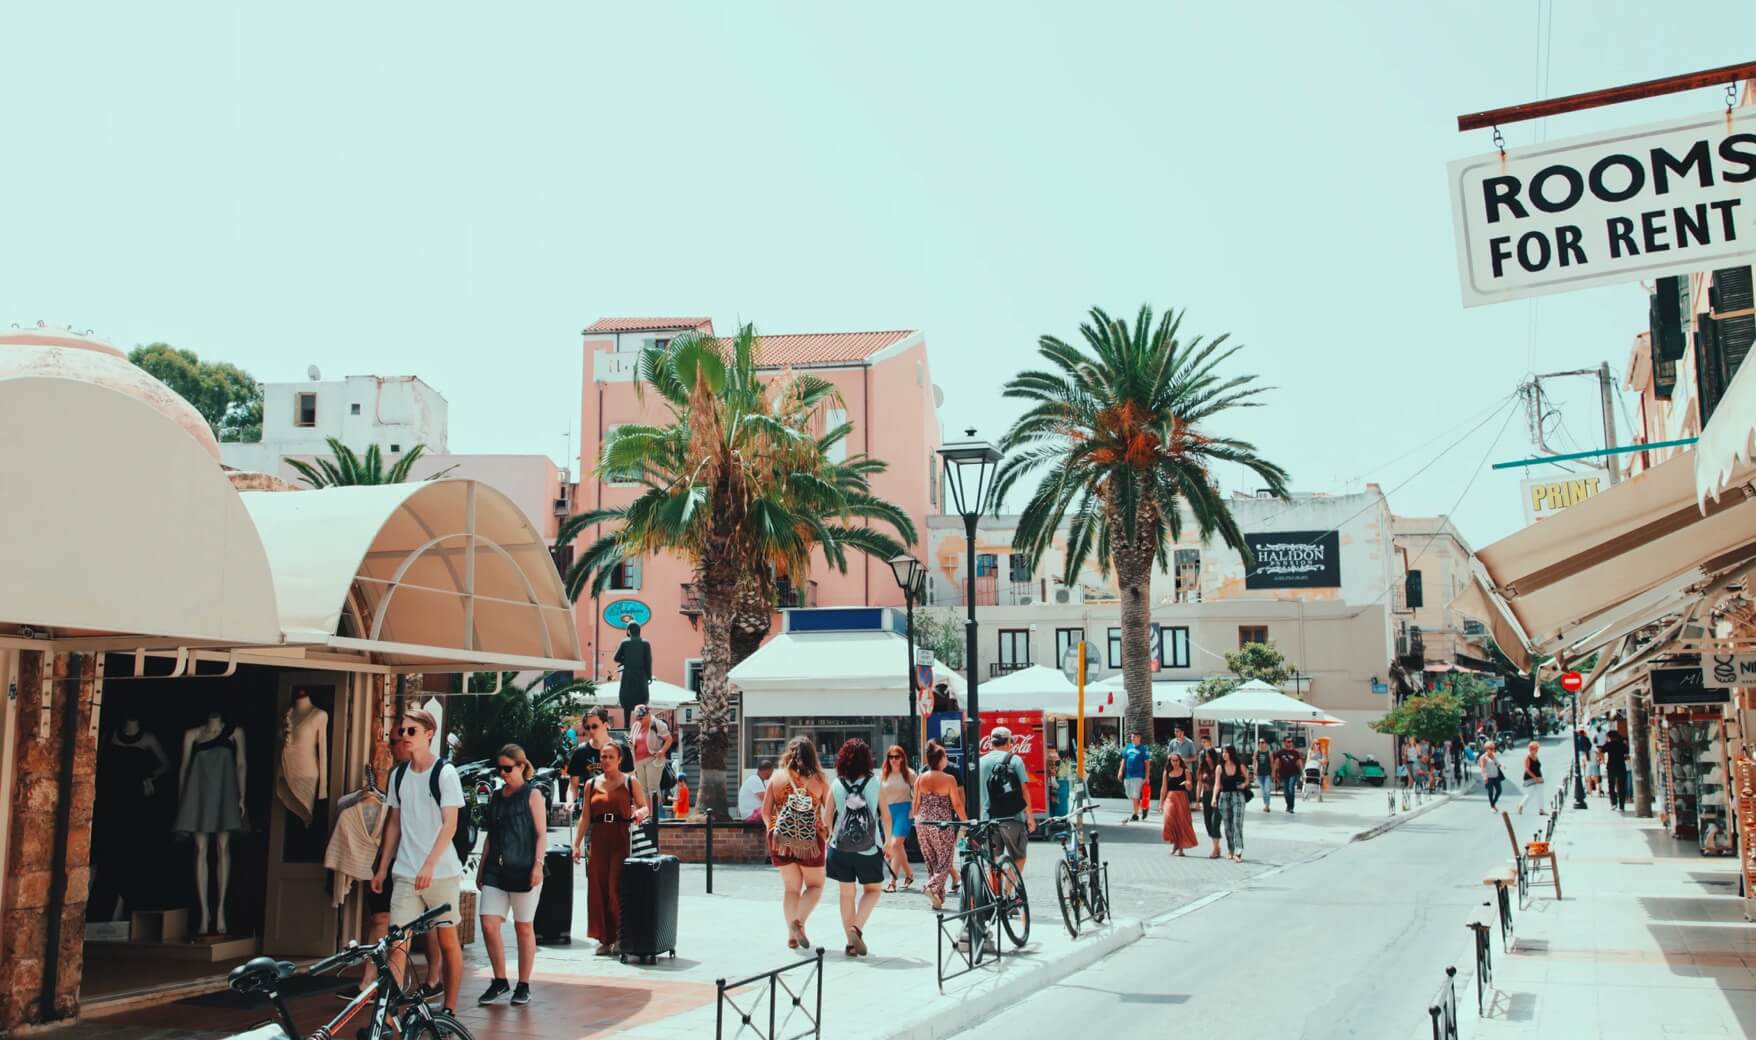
(732, 842)
(31, 881)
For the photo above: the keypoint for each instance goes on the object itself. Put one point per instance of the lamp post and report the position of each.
(969, 471)
(909, 574)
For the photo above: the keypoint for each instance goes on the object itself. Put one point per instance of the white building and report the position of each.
(394, 412)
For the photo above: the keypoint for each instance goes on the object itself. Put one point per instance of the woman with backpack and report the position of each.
(862, 821)
(793, 812)
(613, 800)
(509, 874)
(897, 786)
(938, 798)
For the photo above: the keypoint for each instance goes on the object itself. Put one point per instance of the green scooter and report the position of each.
(1361, 770)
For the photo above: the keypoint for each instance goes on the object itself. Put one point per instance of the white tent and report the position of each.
(1170, 699)
(830, 673)
(1040, 688)
(660, 694)
(1256, 701)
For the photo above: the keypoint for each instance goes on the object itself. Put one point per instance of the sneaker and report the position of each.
(521, 995)
(496, 989)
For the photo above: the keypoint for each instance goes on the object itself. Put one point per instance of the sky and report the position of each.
(455, 191)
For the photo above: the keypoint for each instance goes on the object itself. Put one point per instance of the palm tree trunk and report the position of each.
(1133, 562)
(752, 615)
(718, 594)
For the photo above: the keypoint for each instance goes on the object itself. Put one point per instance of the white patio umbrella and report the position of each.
(1040, 688)
(1170, 700)
(1256, 701)
(660, 694)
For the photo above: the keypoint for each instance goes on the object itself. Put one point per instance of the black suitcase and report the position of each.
(648, 926)
(554, 918)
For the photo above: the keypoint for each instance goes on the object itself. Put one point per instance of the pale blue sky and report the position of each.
(455, 191)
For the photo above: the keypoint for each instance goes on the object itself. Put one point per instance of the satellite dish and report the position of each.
(938, 396)
(312, 374)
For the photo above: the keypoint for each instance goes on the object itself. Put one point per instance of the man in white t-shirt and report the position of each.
(755, 786)
(416, 848)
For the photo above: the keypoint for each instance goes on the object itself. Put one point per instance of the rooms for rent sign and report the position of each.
(1614, 207)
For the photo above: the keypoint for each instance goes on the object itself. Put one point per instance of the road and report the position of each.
(1352, 944)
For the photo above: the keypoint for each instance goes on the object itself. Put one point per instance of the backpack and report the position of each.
(1005, 796)
(463, 840)
(856, 829)
(795, 829)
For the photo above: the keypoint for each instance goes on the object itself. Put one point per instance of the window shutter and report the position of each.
(1734, 305)
(1415, 598)
(1665, 316)
(634, 575)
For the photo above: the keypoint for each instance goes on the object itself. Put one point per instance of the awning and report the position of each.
(1256, 701)
(1477, 600)
(430, 573)
(1623, 558)
(832, 673)
(1171, 698)
(1728, 444)
(121, 522)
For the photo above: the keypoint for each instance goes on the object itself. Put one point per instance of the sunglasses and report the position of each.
(893, 755)
(410, 731)
(504, 768)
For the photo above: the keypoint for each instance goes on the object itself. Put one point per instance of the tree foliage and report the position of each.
(346, 469)
(940, 631)
(1472, 692)
(529, 716)
(1435, 717)
(1251, 661)
(225, 395)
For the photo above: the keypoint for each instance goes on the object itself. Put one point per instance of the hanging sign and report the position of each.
(1724, 671)
(620, 613)
(1544, 498)
(1614, 207)
(1684, 686)
(1294, 560)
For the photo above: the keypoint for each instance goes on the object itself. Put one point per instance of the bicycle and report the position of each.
(992, 884)
(1078, 877)
(414, 1018)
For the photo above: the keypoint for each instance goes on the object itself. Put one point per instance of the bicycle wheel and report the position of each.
(976, 902)
(1067, 894)
(439, 1027)
(1011, 902)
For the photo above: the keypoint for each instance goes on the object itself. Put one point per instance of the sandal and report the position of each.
(891, 887)
(858, 945)
(798, 928)
(908, 883)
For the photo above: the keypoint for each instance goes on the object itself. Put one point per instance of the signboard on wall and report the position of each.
(1294, 560)
(1613, 207)
(1724, 671)
(1544, 497)
(1684, 686)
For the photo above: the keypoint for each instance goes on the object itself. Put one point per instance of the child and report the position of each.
(680, 800)
(1593, 770)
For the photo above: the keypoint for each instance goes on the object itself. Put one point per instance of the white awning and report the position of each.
(1729, 441)
(1256, 701)
(830, 674)
(120, 522)
(410, 572)
(1171, 698)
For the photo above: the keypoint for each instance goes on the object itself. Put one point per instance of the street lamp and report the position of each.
(909, 576)
(969, 473)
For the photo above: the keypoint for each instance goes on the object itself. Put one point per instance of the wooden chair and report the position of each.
(1531, 861)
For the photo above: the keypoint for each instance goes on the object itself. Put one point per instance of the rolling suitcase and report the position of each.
(554, 917)
(648, 925)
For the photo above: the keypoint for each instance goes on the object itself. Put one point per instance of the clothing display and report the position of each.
(304, 758)
(128, 764)
(210, 802)
(353, 846)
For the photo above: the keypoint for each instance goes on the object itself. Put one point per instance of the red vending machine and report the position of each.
(1029, 744)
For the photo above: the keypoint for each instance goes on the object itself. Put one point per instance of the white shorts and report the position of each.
(495, 902)
(1132, 785)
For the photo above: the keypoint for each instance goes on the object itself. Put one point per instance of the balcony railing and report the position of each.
(1000, 668)
(788, 596)
(992, 592)
(689, 605)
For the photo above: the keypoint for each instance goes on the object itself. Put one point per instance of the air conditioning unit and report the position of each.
(1069, 594)
(1026, 599)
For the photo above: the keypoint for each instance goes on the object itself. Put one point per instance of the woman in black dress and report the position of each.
(1207, 794)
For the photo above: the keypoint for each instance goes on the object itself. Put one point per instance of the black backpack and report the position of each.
(463, 840)
(1005, 795)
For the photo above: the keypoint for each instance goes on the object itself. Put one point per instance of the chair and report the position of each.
(1530, 860)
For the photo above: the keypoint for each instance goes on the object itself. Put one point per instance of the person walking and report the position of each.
(1234, 784)
(1131, 771)
(1179, 825)
(938, 798)
(1265, 771)
(793, 814)
(1616, 766)
(1289, 769)
(582, 765)
(509, 874)
(651, 742)
(897, 789)
(1533, 781)
(1207, 792)
(614, 800)
(856, 839)
(1004, 781)
(417, 850)
(1182, 745)
(1594, 771)
(1493, 776)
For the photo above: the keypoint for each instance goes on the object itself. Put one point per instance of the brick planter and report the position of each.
(732, 842)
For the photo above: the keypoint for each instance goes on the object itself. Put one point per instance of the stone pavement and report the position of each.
(1650, 940)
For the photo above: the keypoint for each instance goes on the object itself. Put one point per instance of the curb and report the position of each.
(1010, 987)
(1397, 821)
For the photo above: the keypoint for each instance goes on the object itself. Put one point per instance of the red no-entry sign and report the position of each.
(1572, 682)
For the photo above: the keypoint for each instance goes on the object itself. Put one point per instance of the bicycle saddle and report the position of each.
(257, 973)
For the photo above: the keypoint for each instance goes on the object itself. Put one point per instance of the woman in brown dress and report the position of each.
(798, 825)
(1179, 828)
(613, 801)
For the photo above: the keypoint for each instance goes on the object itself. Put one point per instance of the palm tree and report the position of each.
(1118, 426)
(737, 483)
(346, 469)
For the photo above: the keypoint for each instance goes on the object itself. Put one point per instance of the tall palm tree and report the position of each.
(346, 469)
(1118, 428)
(737, 483)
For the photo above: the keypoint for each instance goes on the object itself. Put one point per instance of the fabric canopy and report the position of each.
(1728, 444)
(1256, 701)
(1040, 688)
(830, 674)
(1171, 699)
(659, 694)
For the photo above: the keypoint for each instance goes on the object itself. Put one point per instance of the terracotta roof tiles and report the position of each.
(824, 348)
(612, 325)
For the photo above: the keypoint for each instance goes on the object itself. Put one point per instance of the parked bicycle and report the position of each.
(992, 884)
(395, 1012)
(1079, 887)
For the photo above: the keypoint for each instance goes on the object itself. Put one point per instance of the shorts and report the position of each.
(379, 902)
(854, 867)
(520, 906)
(408, 902)
(1132, 786)
(1010, 836)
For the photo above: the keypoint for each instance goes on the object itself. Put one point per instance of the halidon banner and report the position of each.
(1614, 207)
(1294, 560)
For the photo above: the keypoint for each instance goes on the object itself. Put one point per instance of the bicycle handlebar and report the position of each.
(356, 953)
(425, 922)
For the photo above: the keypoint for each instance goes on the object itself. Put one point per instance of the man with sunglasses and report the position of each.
(584, 763)
(417, 848)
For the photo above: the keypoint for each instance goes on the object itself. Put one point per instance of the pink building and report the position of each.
(887, 393)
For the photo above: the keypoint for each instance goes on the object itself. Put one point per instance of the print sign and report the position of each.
(1614, 207)
(1294, 560)
(1724, 671)
(1544, 498)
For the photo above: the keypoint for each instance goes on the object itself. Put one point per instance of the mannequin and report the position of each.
(210, 805)
(304, 757)
(131, 762)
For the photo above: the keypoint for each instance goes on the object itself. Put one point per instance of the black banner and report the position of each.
(1294, 560)
(1685, 686)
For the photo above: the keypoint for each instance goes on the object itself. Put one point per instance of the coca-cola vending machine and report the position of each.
(1028, 744)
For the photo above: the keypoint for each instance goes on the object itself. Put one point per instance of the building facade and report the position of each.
(1436, 559)
(298, 419)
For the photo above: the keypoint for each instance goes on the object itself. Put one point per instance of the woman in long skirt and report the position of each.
(938, 798)
(1179, 826)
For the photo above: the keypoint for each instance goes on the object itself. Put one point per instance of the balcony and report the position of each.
(992, 592)
(689, 604)
(788, 596)
(1411, 647)
(1000, 668)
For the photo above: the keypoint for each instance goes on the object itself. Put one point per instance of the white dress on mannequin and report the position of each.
(304, 758)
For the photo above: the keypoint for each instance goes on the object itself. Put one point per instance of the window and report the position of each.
(1014, 647)
(1065, 640)
(834, 419)
(1252, 634)
(692, 675)
(1186, 566)
(353, 409)
(619, 476)
(395, 448)
(1415, 599)
(1018, 568)
(305, 409)
(1173, 647)
(1115, 648)
(986, 565)
(661, 344)
(626, 576)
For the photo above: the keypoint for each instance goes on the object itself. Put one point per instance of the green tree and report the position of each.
(1120, 428)
(1252, 661)
(1472, 692)
(737, 483)
(1214, 687)
(1434, 717)
(225, 395)
(529, 716)
(941, 632)
(345, 469)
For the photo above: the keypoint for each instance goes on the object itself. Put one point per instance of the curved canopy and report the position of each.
(441, 571)
(1256, 701)
(120, 522)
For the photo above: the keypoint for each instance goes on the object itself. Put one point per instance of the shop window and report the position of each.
(305, 409)
(1115, 648)
(1252, 634)
(1173, 647)
(625, 577)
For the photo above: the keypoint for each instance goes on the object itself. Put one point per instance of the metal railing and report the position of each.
(749, 1018)
(1000, 668)
(1443, 1010)
(969, 939)
(1484, 965)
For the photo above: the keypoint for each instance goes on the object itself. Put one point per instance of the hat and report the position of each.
(1000, 735)
(641, 710)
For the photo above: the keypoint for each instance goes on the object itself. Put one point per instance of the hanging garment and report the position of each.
(353, 846)
(301, 761)
(209, 803)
